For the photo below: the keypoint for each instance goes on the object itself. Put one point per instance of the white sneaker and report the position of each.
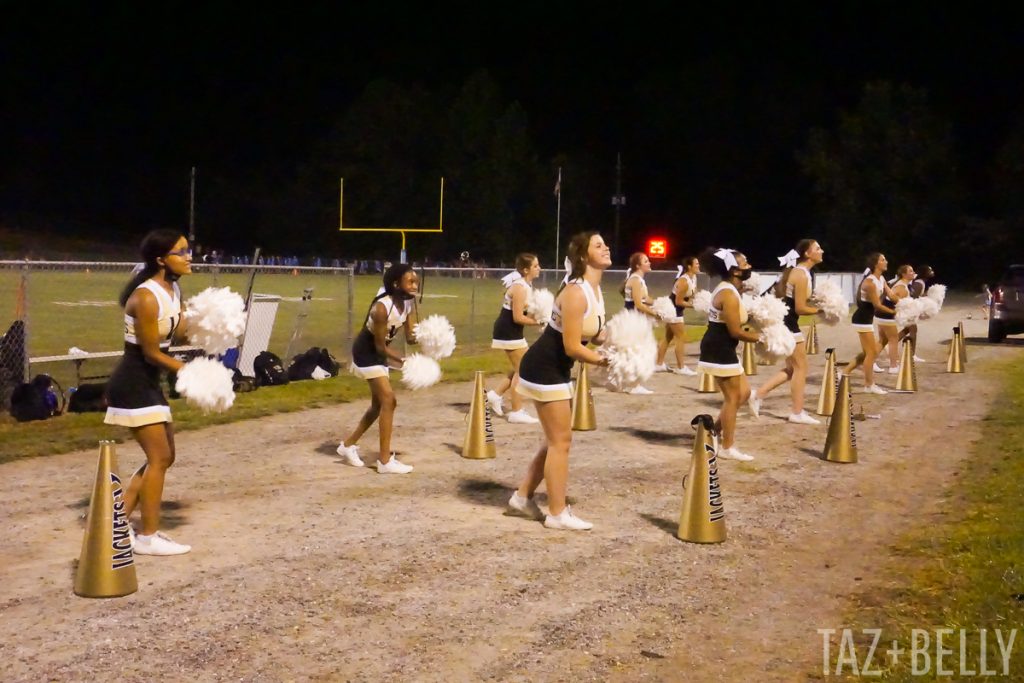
(131, 535)
(640, 391)
(158, 544)
(919, 360)
(350, 454)
(876, 368)
(754, 404)
(733, 454)
(661, 368)
(525, 506)
(875, 389)
(392, 466)
(568, 521)
(685, 371)
(802, 418)
(494, 401)
(894, 370)
(522, 417)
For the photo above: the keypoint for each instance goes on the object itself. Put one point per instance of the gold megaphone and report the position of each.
(749, 359)
(479, 443)
(829, 385)
(706, 383)
(963, 343)
(906, 381)
(584, 418)
(702, 519)
(955, 361)
(106, 566)
(812, 339)
(841, 442)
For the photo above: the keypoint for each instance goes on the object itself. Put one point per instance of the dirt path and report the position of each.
(305, 569)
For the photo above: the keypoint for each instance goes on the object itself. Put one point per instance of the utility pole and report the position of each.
(618, 201)
(192, 207)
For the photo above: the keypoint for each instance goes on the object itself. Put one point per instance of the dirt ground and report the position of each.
(306, 569)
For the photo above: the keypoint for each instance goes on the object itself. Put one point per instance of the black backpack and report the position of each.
(268, 370)
(242, 383)
(328, 363)
(37, 400)
(88, 398)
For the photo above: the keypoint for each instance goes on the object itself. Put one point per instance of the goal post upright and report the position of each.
(400, 230)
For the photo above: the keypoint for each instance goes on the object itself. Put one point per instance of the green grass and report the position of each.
(967, 570)
(72, 432)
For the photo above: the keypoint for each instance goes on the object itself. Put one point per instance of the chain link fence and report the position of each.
(61, 305)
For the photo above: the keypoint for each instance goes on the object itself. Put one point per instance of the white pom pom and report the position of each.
(664, 308)
(539, 305)
(435, 336)
(420, 372)
(702, 301)
(766, 310)
(207, 385)
(776, 343)
(828, 298)
(908, 310)
(929, 307)
(216, 319)
(937, 293)
(630, 348)
(752, 284)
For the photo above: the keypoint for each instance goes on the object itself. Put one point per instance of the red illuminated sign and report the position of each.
(657, 248)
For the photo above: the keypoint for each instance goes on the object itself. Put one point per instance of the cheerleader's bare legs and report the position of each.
(551, 463)
(146, 487)
(735, 392)
(867, 356)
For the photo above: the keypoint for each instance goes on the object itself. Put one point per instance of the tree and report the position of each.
(885, 179)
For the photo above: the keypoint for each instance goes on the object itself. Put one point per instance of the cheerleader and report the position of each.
(508, 334)
(683, 289)
(153, 315)
(901, 288)
(918, 288)
(718, 346)
(870, 306)
(371, 353)
(634, 292)
(577, 316)
(794, 286)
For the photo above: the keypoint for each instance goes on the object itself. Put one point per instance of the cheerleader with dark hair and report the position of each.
(795, 287)
(718, 346)
(683, 289)
(634, 292)
(576, 319)
(371, 355)
(871, 307)
(508, 334)
(153, 315)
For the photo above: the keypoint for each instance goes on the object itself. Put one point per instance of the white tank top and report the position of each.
(715, 314)
(691, 285)
(168, 314)
(593, 317)
(790, 289)
(396, 318)
(507, 302)
(643, 287)
(879, 284)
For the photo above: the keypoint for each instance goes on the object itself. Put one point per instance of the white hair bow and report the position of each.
(728, 258)
(568, 270)
(790, 259)
(514, 276)
(679, 271)
(867, 271)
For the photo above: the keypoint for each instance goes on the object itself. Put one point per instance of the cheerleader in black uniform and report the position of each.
(683, 289)
(918, 288)
(795, 286)
(870, 307)
(153, 315)
(371, 354)
(901, 289)
(577, 318)
(718, 346)
(508, 334)
(634, 292)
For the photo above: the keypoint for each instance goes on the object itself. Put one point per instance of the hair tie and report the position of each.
(790, 259)
(867, 271)
(568, 270)
(679, 271)
(512, 277)
(727, 257)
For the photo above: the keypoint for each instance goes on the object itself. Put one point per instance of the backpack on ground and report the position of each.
(305, 364)
(269, 370)
(88, 398)
(242, 383)
(37, 400)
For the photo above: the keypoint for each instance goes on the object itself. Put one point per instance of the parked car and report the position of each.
(1006, 312)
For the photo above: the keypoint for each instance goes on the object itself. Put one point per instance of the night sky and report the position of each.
(103, 111)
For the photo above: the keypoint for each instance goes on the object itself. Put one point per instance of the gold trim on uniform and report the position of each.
(545, 393)
(509, 344)
(717, 370)
(137, 417)
(885, 322)
(371, 372)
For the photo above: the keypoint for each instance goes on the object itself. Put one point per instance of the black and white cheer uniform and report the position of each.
(865, 314)
(544, 370)
(366, 362)
(792, 318)
(507, 333)
(691, 289)
(628, 293)
(134, 397)
(718, 347)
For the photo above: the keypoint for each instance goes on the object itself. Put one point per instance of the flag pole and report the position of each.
(558, 218)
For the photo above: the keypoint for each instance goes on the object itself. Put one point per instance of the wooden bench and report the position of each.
(79, 359)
